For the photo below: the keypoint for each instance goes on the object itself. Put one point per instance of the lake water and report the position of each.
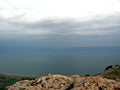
(68, 61)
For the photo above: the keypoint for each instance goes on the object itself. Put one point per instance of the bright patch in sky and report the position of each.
(32, 10)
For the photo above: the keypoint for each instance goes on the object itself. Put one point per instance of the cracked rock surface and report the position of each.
(61, 82)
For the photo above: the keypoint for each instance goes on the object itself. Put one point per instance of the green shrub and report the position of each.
(6, 82)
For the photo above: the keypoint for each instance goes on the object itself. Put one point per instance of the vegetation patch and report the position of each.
(6, 82)
(113, 73)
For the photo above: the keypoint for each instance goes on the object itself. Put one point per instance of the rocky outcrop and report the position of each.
(95, 83)
(61, 82)
(112, 72)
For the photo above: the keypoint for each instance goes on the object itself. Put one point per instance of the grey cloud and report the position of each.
(108, 25)
(111, 23)
(97, 32)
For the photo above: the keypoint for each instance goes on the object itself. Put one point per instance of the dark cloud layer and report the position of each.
(94, 32)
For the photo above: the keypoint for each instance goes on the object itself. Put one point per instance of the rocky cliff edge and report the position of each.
(61, 82)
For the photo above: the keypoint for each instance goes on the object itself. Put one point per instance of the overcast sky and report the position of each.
(60, 22)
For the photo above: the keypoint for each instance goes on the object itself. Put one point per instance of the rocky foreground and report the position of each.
(61, 82)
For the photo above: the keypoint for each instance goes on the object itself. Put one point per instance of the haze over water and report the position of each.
(68, 61)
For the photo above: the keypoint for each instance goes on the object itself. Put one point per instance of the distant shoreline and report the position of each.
(19, 77)
(108, 69)
(110, 72)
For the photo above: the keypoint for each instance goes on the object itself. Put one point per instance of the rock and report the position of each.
(61, 82)
(95, 83)
(54, 82)
(50, 82)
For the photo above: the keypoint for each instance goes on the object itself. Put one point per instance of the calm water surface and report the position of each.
(68, 61)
